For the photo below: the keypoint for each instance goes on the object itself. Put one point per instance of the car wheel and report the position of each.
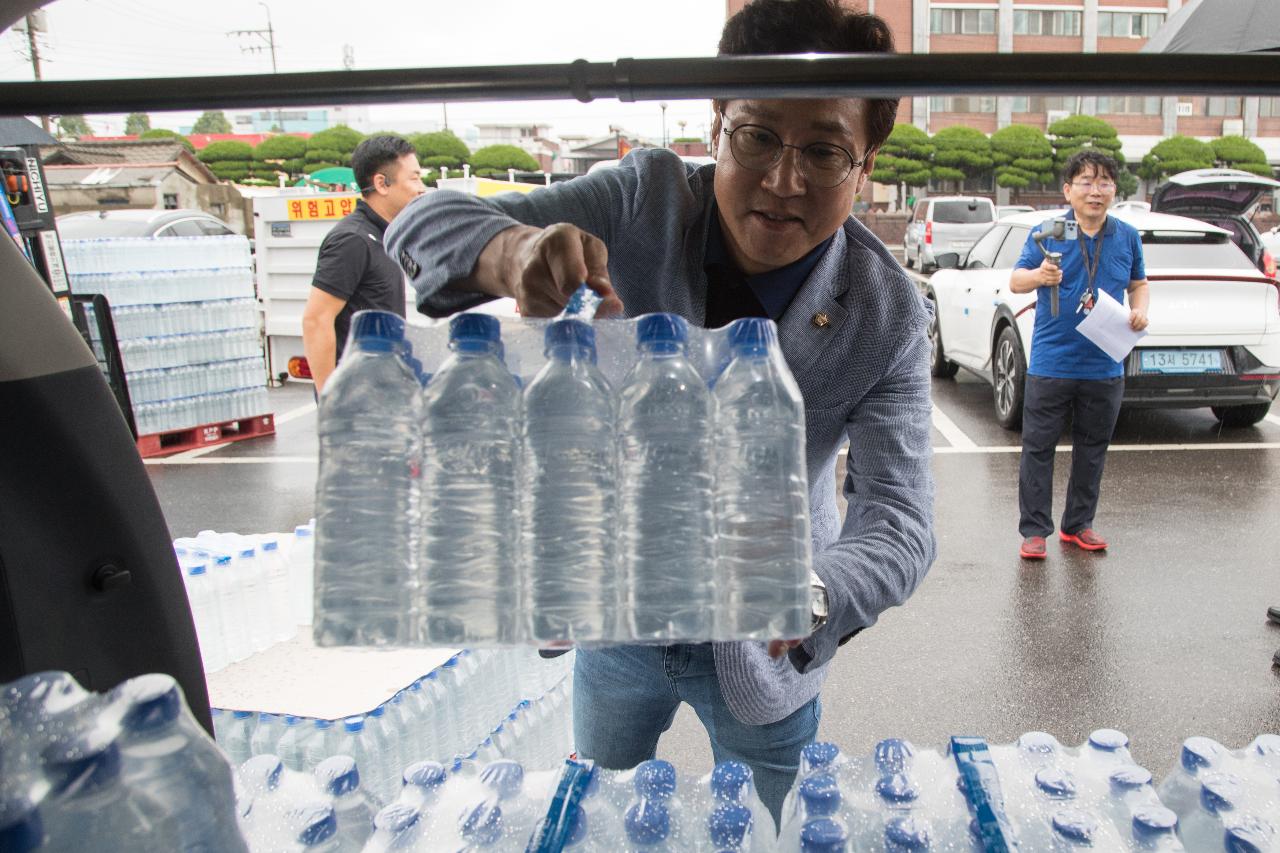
(1241, 416)
(906, 255)
(1009, 378)
(939, 365)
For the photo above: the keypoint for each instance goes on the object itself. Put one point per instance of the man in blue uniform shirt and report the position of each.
(1069, 375)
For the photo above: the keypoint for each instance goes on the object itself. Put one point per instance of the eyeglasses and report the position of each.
(759, 149)
(1090, 186)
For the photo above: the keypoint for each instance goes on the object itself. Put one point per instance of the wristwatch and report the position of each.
(818, 605)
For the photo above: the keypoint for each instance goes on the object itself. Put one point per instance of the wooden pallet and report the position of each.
(205, 435)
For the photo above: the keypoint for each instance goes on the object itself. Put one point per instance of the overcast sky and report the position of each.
(148, 38)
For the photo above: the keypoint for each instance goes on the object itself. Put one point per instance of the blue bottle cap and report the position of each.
(338, 775)
(222, 560)
(823, 835)
(381, 328)
(1221, 792)
(648, 822)
(1199, 753)
(818, 755)
(474, 328)
(262, 772)
(897, 788)
(154, 702)
(1056, 782)
(482, 823)
(569, 333)
(1128, 778)
(377, 712)
(1040, 743)
(267, 717)
(728, 825)
(662, 332)
(820, 795)
(318, 820)
(1108, 740)
(427, 775)
(506, 777)
(655, 778)
(1267, 745)
(353, 724)
(198, 569)
(82, 764)
(303, 530)
(750, 336)
(1249, 834)
(247, 553)
(396, 818)
(893, 755)
(21, 829)
(730, 780)
(905, 834)
(577, 826)
(324, 724)
(1153, 821)
(1075, 825)
(291, 720)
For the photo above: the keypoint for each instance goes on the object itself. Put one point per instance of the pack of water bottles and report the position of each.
(246, 592)
(1226, 799)
(477, 705)
(128, 771)
(496, 482)
(186, 320)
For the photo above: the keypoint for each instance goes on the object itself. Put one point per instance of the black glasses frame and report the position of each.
(805, 168)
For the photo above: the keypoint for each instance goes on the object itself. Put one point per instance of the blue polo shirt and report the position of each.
(1058, 350)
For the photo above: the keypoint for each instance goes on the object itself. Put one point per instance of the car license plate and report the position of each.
(1181, 361)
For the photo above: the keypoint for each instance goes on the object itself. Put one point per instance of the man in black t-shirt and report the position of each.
(354, 272)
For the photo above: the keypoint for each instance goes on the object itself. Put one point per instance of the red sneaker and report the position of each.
(1087, 539)
(1033, 548)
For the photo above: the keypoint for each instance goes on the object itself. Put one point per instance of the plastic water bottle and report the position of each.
(665, 418)
(823, 835)
(569, 486)
(291, 742)
(398, 826)
(281, 621)
(339, 779)
(166, 755)
(237, 745)
(365, 586)
(302, 575)
(422, 783)
(90, 800)
(470, 430)
(319, 744)
(206, 615)
(354, 740)
(266, 734)
(762, 491)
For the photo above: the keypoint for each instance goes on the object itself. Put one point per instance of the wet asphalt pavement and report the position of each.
(1163, 636)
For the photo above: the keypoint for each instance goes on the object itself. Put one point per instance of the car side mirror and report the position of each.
(947, 261)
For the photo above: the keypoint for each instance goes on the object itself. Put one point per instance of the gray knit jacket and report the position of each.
(864, 376)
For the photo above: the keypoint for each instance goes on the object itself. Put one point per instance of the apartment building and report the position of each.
(1062, 26)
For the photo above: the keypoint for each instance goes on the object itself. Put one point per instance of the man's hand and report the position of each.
(778, 648)
(546, 265)
(1137, 319)
(1048, 275)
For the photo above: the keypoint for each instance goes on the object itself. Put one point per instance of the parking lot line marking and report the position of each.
(296, 413)
(180, 459)
(952, 433)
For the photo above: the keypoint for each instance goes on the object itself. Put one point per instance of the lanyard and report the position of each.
(1091, 264)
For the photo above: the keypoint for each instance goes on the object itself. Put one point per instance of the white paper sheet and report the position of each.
(1108, 326)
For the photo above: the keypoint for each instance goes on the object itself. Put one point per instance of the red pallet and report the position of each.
(205, 435)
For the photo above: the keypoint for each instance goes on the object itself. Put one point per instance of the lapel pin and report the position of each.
(821, 320)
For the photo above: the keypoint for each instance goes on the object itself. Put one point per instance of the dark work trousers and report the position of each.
(1093, 405)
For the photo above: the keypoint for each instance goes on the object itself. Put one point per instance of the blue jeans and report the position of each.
(625, 697)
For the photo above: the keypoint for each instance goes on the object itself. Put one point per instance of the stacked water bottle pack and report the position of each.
(246, 592)
(187, 323)
(128, 771)
(479, 705)
(1226, 799)
(560, 483)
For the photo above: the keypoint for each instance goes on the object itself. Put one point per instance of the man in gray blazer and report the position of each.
(765, 231)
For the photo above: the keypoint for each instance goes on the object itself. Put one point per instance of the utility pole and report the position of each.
(34, 46)
(269, 36)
